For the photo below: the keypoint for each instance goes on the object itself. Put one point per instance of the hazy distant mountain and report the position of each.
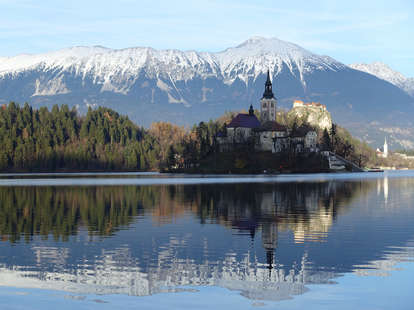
(382, 71)
(189, 86)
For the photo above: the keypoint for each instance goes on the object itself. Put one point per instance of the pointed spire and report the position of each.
(385, 148)
(268, 93)
(251, 110)
(268, 81)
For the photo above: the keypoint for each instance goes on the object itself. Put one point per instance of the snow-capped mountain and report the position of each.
(189, 86)
(116, 70)
(257, 55)
(384, 72)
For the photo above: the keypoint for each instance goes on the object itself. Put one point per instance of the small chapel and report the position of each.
(246, 130)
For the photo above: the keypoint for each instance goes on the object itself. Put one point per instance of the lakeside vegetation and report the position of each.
(103, 140)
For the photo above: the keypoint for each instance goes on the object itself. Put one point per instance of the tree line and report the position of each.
(61, 139)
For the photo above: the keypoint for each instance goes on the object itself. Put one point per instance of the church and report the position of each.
(384, 151)
(266, 135)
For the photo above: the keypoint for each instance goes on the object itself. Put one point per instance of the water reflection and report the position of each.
(307, 209)
(265, 240)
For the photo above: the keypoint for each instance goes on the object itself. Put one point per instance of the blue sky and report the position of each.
(349, 31)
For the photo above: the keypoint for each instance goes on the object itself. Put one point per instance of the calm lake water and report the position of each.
(151, 241)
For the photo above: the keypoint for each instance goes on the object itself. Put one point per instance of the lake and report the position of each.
(157, 241)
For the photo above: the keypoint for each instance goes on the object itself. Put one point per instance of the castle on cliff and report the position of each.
(246, 130)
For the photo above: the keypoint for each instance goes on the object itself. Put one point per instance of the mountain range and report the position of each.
(185, 87)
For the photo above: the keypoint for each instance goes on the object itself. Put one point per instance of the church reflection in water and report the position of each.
(265, 240)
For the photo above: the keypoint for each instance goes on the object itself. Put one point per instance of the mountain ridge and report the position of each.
(87, 58)
(385, 72)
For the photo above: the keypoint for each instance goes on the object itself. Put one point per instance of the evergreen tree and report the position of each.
(333, 137)
(326, 141)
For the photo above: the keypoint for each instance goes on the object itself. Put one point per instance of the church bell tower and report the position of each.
(268, 102)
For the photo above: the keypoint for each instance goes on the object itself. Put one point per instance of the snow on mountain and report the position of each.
(257, 55)
(116, 70)
(384, 72)
(63, 58)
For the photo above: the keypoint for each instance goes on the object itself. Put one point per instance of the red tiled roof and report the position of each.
(245, 121)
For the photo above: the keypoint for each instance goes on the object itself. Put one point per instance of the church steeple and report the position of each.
(385, 148)
(251, 110)
(268, 93)
(268, 102)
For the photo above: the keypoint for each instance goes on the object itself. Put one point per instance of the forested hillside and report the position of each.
(61, 139)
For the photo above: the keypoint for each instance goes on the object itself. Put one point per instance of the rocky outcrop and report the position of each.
(314, 113)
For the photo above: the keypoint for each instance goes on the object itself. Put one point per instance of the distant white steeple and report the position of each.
(385, 148)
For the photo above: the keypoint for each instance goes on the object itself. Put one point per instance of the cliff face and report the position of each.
(315, 115)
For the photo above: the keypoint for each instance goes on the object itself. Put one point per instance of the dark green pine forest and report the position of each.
(61, 139)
